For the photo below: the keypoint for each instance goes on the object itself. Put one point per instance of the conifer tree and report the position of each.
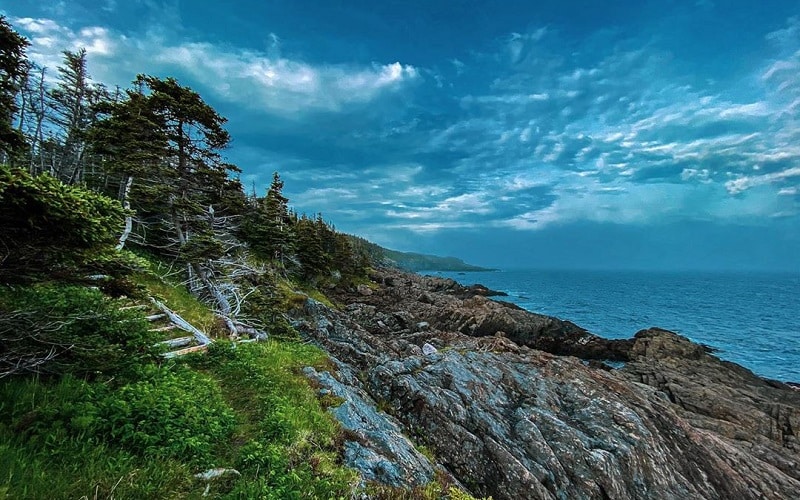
(13, 68)
(310, 252)
(72, 104)
(194, 136)
(269, 228)
(131, 143)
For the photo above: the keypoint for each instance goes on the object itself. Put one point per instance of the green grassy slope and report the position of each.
(147, 430)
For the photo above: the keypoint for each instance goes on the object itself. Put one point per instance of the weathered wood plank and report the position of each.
(171, 326)
(182, 323)
(180, 341)
(188, 350)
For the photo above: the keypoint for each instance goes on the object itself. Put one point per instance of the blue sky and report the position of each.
(572, 134)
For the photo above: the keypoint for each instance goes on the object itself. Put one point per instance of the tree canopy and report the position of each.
(13, 69)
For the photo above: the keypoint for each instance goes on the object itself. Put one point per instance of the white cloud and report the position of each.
(421, 192)
(284, 85)
(702, 175)
(48, 40)
(755, 109)
(598, 203)
(639, 135)
(433, 227)
(262, 80)
(744, 183)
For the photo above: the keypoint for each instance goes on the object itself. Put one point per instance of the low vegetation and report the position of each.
(144, 430)
(413, 262)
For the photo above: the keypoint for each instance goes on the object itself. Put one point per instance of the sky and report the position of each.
(514, 134)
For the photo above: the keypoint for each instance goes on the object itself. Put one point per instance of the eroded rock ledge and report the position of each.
(518, 405)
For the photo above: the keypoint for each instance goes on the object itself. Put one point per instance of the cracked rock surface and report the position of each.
(517, 405)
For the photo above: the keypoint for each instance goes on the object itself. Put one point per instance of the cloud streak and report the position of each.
(639, 137)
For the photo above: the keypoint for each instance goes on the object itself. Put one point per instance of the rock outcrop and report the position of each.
(377, 446)
(517, 405)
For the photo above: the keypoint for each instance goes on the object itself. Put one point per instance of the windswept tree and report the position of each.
(184, 199)
(72, 104)
(13, 70)
(314, 260)
(194, 136)
(131, 143)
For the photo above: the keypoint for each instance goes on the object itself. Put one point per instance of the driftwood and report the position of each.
(224, 306)
(188, 350)
(179, 342)
(133, 307)
(201, 337)
(253, 332)
(166, 328)
(176, 321)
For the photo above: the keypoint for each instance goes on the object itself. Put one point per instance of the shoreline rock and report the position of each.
(499, 397)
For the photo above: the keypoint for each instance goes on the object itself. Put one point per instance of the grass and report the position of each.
(45, 453)
(436, 490)
(146, 432)
(60, 438)
(288, 445)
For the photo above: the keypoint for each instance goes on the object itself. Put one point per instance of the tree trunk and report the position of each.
(38, 136)
(223, 309)
(126, 204)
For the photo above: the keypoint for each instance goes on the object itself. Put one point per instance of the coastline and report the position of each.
(460, 371)
(744, 316)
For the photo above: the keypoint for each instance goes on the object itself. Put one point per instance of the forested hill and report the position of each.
(420, 262)
(413, 262)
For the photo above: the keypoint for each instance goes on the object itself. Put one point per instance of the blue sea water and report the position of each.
(752, 318)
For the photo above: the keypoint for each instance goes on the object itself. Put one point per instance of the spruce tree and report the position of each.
(310, 252)
(72, 104)
(131, 143)
(269, 228)
(193, 178)
(13, 69)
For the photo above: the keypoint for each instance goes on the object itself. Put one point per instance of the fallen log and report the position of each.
(181, 341)
(201, 337)
(188, 350)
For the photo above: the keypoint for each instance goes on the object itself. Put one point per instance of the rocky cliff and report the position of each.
(517, 405)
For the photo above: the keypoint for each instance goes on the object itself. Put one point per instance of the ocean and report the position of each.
(751, 318)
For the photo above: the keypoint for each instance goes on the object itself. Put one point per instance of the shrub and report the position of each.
(174, 413)
(55, 442)
(61, 329)
(49, 229)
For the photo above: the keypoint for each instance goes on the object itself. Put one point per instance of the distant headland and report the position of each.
(413, 262)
